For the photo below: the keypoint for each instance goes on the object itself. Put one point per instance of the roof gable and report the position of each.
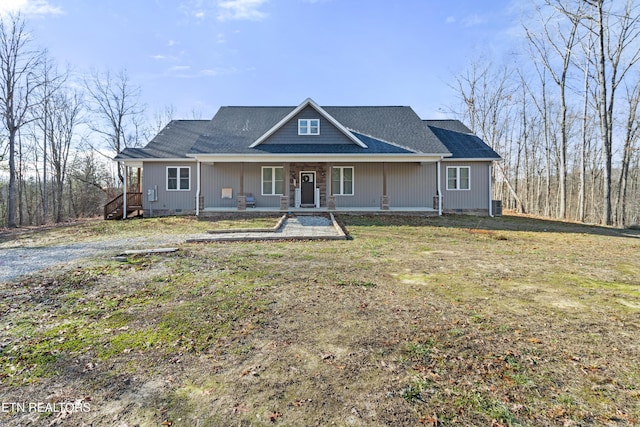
(307, 103)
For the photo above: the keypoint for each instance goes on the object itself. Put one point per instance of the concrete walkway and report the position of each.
(303, 227)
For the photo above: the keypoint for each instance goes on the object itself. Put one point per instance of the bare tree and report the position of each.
(51, 81)
(616, 35)
(117, 112)
(559, 41)
(632, 133)
(17, 86)
(65, 116)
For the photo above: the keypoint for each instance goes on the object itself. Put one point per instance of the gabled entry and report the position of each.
(308, 128)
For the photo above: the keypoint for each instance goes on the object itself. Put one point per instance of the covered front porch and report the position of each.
(312, 187)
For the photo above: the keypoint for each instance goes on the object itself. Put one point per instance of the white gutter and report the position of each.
(490, 193)
(198, 189)
(124, 194)
(439, 190)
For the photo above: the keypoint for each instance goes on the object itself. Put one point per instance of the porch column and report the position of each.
(384, 202)
(439, 189)
(284, 199)
(139, 180)
(124, 192)
(331, 199)
(242, 201)
(197, 187)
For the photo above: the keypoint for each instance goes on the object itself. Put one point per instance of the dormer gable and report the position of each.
(308, 119)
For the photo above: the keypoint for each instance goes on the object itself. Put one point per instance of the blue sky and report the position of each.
(198, 55)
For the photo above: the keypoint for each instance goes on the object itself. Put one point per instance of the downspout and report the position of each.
(197, 187)
(124, 193)
(490, 192)
(439, 189)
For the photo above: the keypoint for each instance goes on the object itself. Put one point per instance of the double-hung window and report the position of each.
(309, 127)
(342, 181)
(272, 181)
(178, 178)
(458, 178)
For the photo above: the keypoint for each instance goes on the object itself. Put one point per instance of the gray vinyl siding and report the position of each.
(411, 184)
(227, 175)
(408, 185)
(169, 202)
(367, 186)
(477, 197)
(288, 134)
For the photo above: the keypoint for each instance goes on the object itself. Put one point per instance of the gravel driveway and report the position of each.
(16, 261)
(19, 261)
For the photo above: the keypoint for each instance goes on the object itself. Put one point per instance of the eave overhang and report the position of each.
(293, 157)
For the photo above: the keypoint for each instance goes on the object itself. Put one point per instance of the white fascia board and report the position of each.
(131, 163)
(358, 158)
(295, 111)
(479, 159)
(165, 160)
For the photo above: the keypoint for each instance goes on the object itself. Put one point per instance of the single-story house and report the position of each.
(310, 157)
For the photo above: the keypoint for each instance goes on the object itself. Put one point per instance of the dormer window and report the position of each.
(309, 127)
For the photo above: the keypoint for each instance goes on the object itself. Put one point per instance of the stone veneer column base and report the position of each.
(242, 203)
(284, 203)
(384, 203)
(331, 203)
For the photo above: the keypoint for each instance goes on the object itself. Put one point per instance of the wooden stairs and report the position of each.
(115, 208)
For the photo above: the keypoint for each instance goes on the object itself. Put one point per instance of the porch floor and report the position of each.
(344, 210)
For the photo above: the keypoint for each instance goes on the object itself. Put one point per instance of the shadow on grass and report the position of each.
(509, 222)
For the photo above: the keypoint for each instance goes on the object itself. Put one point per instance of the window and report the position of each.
(309, 127)
(458, 178)
(178, 178)
(342, 181)
(272, 181)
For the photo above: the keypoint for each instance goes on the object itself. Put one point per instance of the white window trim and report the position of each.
(178, 168)
(273, 180)
(353, 181)
(457, 169)
(308, 127)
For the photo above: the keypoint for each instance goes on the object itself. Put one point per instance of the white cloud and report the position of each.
(179, 68)
(450, 20)
(29, 7)
(473, 20)
(240, 10)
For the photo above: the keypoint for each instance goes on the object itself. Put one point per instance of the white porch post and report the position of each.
(197, 187)
(439, 189)
(124, 193)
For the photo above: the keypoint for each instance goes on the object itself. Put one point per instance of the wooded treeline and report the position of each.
(59, 132)
(563, 115)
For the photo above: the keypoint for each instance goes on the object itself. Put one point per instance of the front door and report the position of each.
(307, 188)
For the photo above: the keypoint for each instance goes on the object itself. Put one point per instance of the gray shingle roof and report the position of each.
(460, 141)
(384, 130)
(388, 129)
(173, 142)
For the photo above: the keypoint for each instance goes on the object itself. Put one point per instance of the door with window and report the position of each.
(307, 188)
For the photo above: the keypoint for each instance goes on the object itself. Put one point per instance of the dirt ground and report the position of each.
(415, 321)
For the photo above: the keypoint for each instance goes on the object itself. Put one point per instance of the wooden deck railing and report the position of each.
(114, 209)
